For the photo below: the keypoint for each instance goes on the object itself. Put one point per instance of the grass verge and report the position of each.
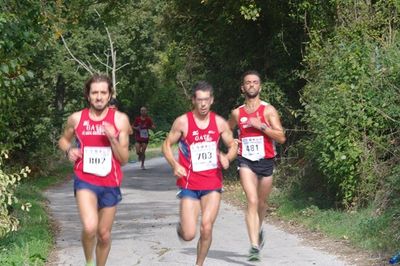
(367, 232)
(32, 243)
(364, 228)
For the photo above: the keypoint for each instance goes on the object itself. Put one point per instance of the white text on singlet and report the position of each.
(204, 156)
(97, 160)
(253, 148)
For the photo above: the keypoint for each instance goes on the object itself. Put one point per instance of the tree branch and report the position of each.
(86, 67)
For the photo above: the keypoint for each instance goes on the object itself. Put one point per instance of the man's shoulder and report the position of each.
(235, 111)
(121, 115)
(76, 116)
(268, 106)
(182, 118)
(219, 118)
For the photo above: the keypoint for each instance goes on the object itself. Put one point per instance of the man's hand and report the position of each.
(179, 170)
(74, 154)
(109, 130)
(255, 122)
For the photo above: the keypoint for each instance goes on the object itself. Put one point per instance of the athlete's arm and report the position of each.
(65, 142)
(120, 143)
(275, 131)
(177, 131)
(136, 125)
(152, 125)
(227, 138)
(232, 122)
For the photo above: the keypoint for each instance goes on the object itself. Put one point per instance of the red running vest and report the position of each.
(144, 124)
(90, 134)
(246, 131)
(198, 154)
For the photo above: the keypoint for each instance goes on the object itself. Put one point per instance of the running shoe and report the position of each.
(254, 254)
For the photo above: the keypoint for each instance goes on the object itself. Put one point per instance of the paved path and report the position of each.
(144, 230)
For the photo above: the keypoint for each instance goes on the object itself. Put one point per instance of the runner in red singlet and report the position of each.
(259, 127)
(102, 146)
(141, 125)
(199, 168)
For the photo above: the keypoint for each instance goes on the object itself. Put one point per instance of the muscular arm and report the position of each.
(120, 145)
(276, 131)
(177, 131)
(227, 138)
(64, 142)
(232, 122)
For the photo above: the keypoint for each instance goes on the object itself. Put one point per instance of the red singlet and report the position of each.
(255, 145)
(98, 166)
(145, 124)
(198, 153)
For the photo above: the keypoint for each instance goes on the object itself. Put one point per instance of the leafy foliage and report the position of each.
(222, 39)
(8, 183)
(352, 102)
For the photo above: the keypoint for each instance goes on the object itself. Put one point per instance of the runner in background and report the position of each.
(141, 126)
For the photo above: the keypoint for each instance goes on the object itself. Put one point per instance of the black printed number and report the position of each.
(204, 156)
(252, 148)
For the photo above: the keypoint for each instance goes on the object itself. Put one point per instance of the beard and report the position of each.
(98, 108)
(251, 95)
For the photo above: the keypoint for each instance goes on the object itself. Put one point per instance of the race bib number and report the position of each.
(97, 160)
(253, 148)
(204, 156)
(144, 133)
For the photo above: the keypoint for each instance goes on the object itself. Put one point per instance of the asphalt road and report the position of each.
(144, 229)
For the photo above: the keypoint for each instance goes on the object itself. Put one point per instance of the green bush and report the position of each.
(8, 200)
(157, 137)
(352, 103)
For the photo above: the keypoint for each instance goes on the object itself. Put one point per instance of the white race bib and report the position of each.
(204, 156)
(144, 133)
(253, 148)
(97, 160)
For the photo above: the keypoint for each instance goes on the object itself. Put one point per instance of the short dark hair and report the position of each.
(250, 72)
(98, 78)
(202, 86)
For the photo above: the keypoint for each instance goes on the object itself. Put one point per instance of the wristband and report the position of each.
(263, 127)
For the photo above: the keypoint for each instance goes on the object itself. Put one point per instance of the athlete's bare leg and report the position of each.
(140, 148)
(264, 190)
(87, 207)
(189, 213)
(249, 182)
(143, 152)
(106, 219)
(138, 151)
(209, 210)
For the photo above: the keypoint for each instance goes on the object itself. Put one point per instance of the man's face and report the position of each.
(143, 111)
(99, 95)
(202, 102)
(251, 86)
